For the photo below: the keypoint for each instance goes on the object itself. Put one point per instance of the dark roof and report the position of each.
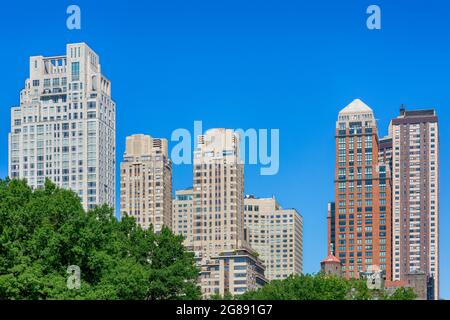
(415, 116)
(418, 113)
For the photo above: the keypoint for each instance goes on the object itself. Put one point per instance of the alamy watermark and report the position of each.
(73, 22)
(74, 278)
(257, 147)
(374, 20)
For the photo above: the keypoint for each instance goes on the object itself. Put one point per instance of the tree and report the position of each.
(173, 272)
(44, 231)
(226, 296)
(316, 287)
(402, 294)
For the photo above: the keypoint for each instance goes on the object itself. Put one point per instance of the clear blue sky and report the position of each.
(281, 64)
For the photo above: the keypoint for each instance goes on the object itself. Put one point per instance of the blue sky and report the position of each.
(289, 65)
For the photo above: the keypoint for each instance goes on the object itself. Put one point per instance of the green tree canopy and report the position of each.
(42, 232)
(321, 287)
(402, 294)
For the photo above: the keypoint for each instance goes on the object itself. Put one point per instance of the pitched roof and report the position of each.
(356, 106)
(331, 258)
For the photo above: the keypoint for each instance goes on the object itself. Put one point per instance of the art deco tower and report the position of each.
(218, 190)
(227, 263)
(360, 220)
(146, 182)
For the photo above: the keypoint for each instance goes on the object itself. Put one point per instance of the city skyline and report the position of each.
(172, 90)
(386, 209)
(50, 134)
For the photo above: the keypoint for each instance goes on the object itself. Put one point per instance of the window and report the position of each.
(91, 105)
(75, 71)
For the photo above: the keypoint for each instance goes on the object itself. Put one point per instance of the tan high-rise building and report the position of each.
(146, 182)
(227, 263)
(415, 162)
(182, 215)
(276, 234)
(218, 194)
(359, 221)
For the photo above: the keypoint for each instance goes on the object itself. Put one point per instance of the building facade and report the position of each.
(232, 272)
(415, 142)
(417, 281)
(182, 215)
(146, 182)
(361, 214)
(331, 220)
(218, 191)
(276, 234)
(218, 238)
(65, 127)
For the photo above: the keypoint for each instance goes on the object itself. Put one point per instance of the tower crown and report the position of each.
(356, 111)
(356, 106)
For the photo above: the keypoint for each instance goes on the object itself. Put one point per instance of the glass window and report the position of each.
(75, 71)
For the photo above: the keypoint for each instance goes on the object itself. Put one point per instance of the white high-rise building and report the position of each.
(65, 127)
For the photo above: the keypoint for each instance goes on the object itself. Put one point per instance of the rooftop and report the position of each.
(356, 106)
(417, 113)
(331, 258)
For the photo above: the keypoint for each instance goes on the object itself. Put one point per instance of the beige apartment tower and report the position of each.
(276, 234)
(227, 263)
(218, 192)
(146, 182)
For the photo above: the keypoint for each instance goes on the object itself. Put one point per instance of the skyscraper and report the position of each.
(218, 194)
(227, 263)
(359, 221)
(415, 142)
(276, 234)
(65, 126)
(146, 182)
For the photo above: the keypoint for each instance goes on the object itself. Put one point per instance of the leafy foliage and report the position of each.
(42, 232)
(321, 287)
(402, 294)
